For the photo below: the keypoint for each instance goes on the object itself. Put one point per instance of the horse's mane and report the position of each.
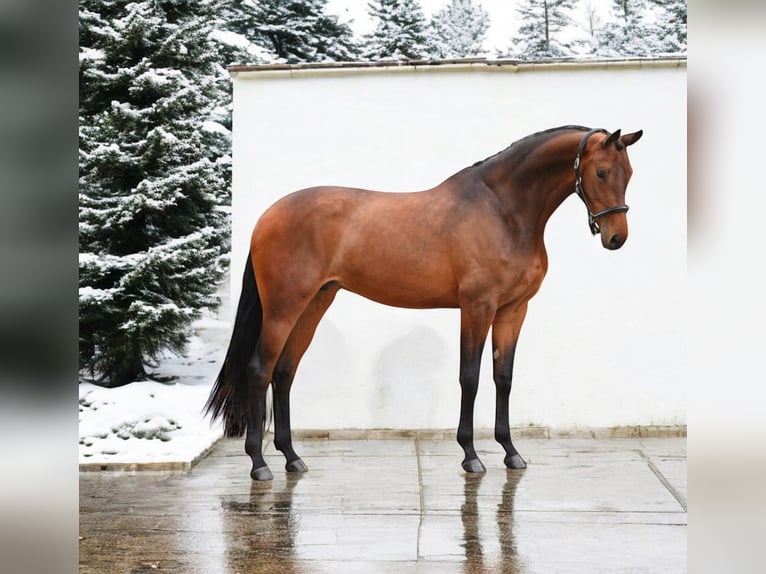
(528, 143)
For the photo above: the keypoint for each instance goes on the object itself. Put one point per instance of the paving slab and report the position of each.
(397, 505)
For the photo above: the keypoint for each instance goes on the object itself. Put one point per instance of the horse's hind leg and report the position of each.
(284, 373)
(256, 392)
(258, 373)
(505, 334)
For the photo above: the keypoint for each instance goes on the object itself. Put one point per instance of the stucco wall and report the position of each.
(602, 344)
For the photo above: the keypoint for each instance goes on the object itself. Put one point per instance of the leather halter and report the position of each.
(594, 228)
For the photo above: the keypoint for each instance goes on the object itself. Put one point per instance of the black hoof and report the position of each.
(515, 461)
(261, 473)
(296, 466)
(474, 465)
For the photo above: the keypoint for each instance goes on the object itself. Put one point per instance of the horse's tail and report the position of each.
(228, 399)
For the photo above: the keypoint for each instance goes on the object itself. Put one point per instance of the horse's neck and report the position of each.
(532, 187)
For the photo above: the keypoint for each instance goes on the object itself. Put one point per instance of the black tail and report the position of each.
(228, 399)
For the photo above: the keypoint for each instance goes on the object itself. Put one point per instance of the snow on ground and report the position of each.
(150, 421)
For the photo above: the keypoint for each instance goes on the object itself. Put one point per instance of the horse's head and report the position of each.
(603, 172)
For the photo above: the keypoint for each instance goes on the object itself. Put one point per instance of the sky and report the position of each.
(502, 15)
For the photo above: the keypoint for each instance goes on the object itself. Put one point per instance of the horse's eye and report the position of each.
(601, 174)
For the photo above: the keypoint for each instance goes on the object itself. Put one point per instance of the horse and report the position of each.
(474, 242)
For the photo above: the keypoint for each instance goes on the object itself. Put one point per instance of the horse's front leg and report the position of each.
(505, 335)
(475, 320)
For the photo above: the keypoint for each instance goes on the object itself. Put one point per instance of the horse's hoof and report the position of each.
(515, 461)
(474, 466)
(261, 473)
(296, 466)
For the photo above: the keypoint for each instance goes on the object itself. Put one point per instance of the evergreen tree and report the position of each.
(155, 172)
(237, 47)
(592, 25)
(293, 31)
(630, 32)
(400, 31)
(540, 33)
(459, 30)
(672, 25)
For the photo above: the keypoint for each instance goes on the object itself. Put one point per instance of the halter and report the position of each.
(594, 228)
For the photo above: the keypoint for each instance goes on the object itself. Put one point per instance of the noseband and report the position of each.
(594, 228)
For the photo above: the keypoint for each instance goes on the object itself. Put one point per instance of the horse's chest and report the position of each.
(523, 278)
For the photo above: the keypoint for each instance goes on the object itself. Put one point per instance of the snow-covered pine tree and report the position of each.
(236, 47)
(540, 33)
(672, 26)
(630, 31)
(459, 29)
(400, 31)
(592, 26)
(155, 173)
(295, 31)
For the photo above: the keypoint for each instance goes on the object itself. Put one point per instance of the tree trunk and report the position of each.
(127, 368)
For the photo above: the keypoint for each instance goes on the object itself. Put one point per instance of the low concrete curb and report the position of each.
(530, 432)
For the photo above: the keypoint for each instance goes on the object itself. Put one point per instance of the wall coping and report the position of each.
(261, 71)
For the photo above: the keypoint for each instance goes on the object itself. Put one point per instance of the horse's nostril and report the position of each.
(615, 241)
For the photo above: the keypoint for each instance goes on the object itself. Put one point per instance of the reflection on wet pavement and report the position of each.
(397, 506)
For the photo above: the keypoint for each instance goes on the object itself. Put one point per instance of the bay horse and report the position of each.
(473, 242)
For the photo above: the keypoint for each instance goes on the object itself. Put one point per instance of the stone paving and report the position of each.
(398, 506)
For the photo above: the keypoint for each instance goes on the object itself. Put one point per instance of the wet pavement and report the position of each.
(398, 506)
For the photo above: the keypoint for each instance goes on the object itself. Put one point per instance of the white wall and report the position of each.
(603, 340)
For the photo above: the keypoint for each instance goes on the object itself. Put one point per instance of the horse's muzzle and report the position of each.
(615, 242)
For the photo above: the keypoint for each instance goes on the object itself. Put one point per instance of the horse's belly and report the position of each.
(420, 287)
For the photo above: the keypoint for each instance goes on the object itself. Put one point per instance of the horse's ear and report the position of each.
(630, 139)
(611, 139)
